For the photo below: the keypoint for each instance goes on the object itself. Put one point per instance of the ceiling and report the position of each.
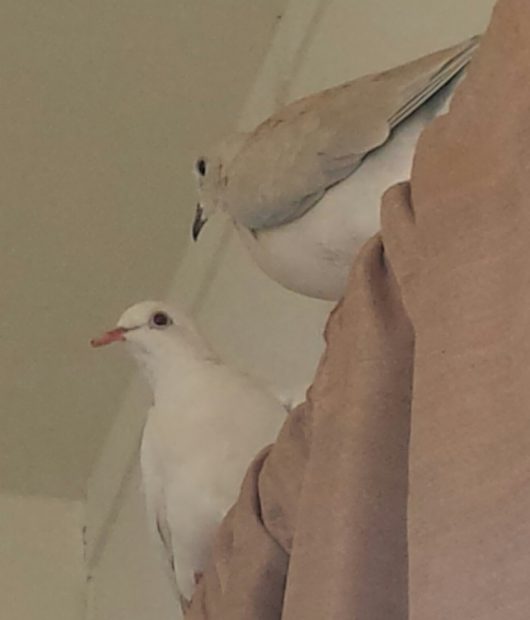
(104, 106)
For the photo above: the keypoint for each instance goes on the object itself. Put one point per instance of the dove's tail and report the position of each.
(440, 69)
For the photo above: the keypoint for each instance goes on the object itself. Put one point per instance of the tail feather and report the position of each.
(445, 74)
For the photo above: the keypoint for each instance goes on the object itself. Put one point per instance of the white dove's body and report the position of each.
(304, 187)
(207, 423)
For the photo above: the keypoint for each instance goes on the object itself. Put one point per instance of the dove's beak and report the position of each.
(114, 335)
(198, 223)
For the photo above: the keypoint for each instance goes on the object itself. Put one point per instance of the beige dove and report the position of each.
(303, 188)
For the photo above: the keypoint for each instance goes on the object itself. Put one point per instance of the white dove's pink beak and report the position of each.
(114, 335)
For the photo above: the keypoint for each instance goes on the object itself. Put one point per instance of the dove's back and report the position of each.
(287, 163)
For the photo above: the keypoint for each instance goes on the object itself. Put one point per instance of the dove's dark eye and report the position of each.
(160, 319)
(201, 167)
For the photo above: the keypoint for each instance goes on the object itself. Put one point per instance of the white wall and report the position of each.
(250, 320)
(42, 574)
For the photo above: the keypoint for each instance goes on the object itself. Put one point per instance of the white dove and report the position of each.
(207, 423)
(303, 189)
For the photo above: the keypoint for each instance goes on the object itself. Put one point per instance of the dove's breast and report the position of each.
(198, 441)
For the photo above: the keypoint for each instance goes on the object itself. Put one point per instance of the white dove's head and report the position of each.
(156, 333)
(212, 172)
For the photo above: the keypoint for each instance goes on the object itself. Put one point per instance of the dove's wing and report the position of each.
(164, 533)
(291, 159)
(157, 517)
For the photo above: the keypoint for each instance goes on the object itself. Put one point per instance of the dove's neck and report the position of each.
(172, 361)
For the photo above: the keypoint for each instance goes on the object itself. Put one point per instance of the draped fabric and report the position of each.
(401, 488)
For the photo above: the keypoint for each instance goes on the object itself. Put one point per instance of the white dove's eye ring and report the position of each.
(201, 167)
(160, 319)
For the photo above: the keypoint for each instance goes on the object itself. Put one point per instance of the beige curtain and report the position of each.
(401, 488)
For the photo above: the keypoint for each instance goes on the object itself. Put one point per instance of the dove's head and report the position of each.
(157, 335)
(212, 172)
